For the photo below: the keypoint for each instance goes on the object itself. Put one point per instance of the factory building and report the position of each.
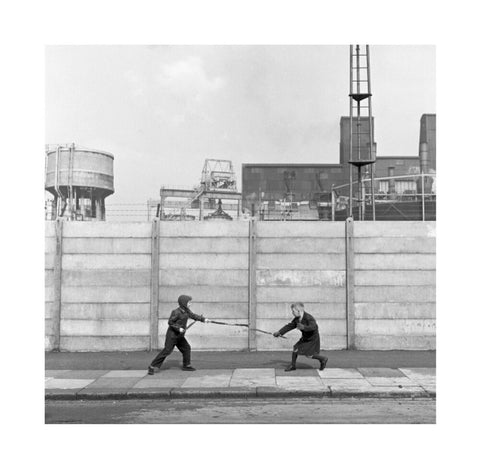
(306, 188)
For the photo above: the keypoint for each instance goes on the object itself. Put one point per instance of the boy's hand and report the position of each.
(276, 334)
(207, 321)
(182, 330)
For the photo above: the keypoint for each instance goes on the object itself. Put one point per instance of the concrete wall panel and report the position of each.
(395, 327)
(395, 261)
(104, 343)
(281, 310)
(203, 277)
(385, 245)
(49, 229)
(305, 261)
(211, 260)
(104, 327)
(307, 294)
(395, 278)
(391, 342)
(204, 245)
(301, 245)
(124, 278)
(301, 278)
(105, 261)
(106, 311)
(392, 310)
(210, 294)
(299, 229)
(105, 294)
(204, 229)
(395, 229)
(106, 229)
(385, 294)
(106, 245)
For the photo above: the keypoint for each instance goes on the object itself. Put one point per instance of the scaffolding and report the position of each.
(362, 150)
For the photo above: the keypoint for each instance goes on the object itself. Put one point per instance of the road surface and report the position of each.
(241, 411)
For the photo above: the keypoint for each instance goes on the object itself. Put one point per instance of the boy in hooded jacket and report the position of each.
(175, 336)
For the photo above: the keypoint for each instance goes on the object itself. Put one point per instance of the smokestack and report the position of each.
(423, 157)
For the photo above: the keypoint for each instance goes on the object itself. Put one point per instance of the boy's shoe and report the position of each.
(290, 368)
(188, 368)
(151, 370)
(323, 364)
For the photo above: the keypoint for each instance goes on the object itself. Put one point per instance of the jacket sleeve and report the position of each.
(289, 326)
(172, 321)
(311, 325)
(198, 318)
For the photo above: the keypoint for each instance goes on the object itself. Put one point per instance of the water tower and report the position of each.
(79, 179)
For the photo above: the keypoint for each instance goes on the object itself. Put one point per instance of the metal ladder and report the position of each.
(361, 142)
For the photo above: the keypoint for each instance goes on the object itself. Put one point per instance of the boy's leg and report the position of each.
(293, 365)
(167, 350)
(323, 360)
(184, 347)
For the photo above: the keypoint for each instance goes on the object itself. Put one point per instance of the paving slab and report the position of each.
(167, 382)
(114, 382)
(347, 383)
(425, 371)
(55, 373)
(333, 373)
(420, 375)
(392, 382)
(83, 374)
(125, 373)
(253, 378)
(168, 373)
(68, 383)
(202, 372)
(219, 380)
(301, 372)
(380, 372)
(300, 382)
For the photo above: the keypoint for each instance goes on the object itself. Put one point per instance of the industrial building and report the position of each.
(79, 179)
(304, 191)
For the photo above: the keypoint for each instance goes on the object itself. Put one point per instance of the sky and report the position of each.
(162, 110)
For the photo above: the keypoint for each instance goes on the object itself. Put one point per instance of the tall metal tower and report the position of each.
(362, 152)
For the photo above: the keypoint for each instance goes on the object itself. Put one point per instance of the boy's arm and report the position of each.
(285, 329)
(173, 319)
(198, 318)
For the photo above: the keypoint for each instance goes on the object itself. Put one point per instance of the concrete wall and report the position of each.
(301, 261)
(104, 286)
(105, 293)
(394, 285)
(208, 261)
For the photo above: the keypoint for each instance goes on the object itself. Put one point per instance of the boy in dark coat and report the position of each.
(176, 335)
(309, 344)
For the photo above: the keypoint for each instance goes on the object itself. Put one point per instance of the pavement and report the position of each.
(363, 374)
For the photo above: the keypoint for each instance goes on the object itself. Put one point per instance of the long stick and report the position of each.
(244, 325)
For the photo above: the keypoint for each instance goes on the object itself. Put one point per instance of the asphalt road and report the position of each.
(254, 411)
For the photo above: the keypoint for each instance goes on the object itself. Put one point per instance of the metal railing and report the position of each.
(400, 193)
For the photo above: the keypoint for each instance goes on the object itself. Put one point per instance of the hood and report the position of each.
(183, 301)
